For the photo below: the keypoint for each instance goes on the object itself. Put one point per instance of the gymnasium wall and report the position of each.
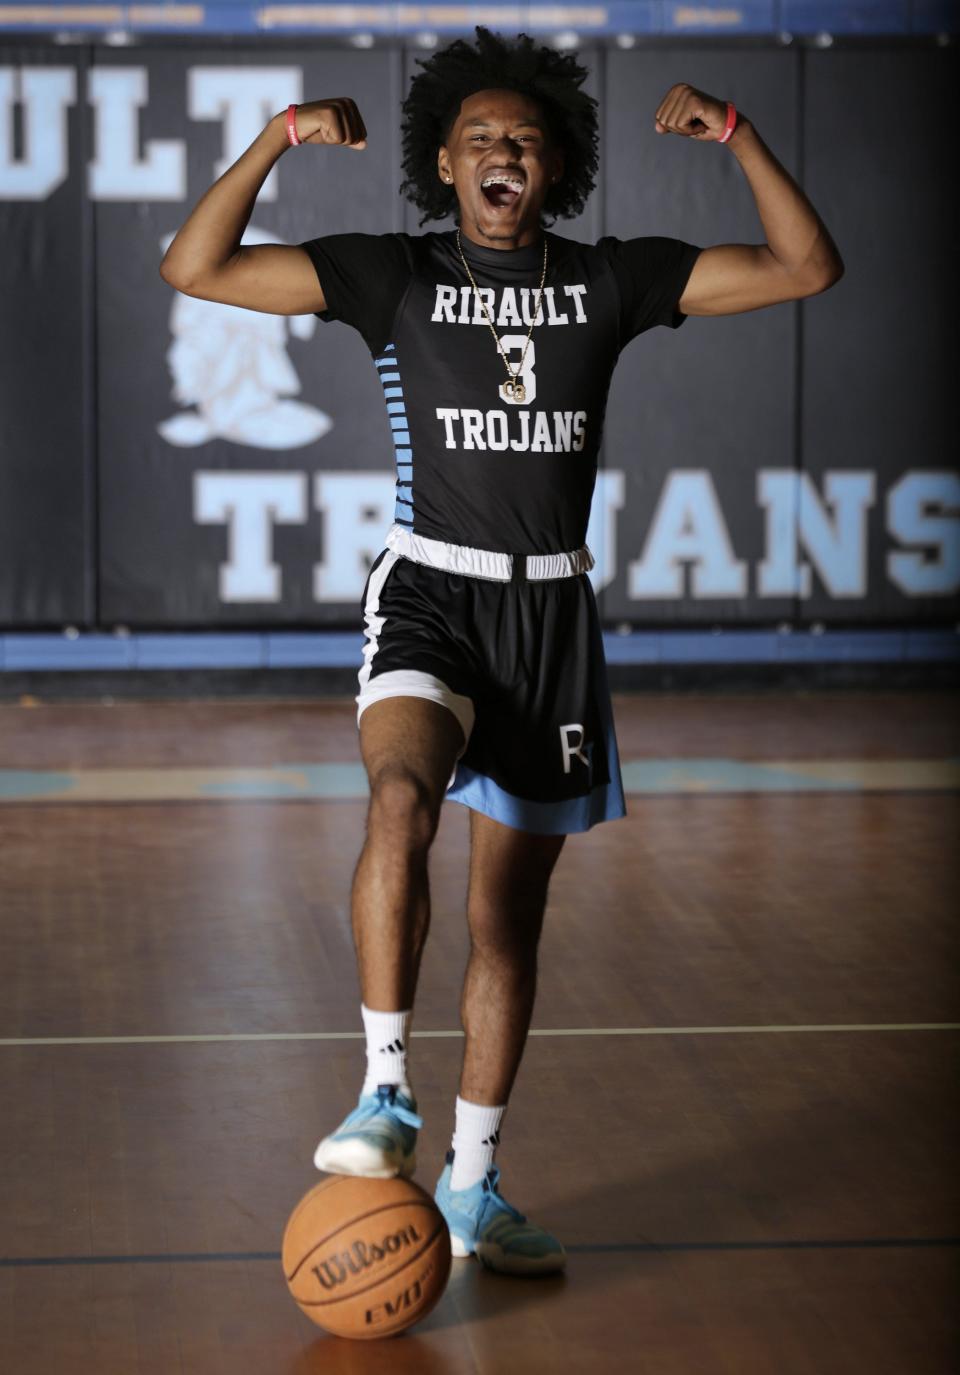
(166, 462)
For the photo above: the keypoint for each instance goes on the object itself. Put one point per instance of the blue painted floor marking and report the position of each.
(346, 780)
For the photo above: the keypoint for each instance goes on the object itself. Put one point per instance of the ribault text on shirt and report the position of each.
(463, 306)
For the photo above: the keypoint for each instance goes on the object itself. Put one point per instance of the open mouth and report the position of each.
(501, 191)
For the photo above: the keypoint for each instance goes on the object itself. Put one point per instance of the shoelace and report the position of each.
(490, 1181)
(387, 1102)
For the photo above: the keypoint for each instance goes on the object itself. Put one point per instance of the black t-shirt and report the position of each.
(475, 466)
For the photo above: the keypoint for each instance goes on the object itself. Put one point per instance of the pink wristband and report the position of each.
(730, 125)
(292, 135)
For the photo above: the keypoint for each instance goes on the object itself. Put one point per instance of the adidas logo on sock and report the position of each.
(492, 1140)
(394, 1048)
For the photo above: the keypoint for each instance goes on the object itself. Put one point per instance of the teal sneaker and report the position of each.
(377, 1140)
(483, 1224)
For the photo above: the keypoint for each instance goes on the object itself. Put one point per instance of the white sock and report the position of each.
(475, 1138)
(386, 1034)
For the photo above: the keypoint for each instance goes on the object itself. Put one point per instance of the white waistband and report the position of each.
(484, 563)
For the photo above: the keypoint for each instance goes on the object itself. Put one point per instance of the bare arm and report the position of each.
(206, 259)
(799, 258)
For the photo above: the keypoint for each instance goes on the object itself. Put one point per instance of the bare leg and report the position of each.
(509, 874)
(409, 747)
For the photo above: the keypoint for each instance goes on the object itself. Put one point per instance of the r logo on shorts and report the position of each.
(572, 751)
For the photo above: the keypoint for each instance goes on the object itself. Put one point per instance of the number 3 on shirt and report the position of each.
(513, 346)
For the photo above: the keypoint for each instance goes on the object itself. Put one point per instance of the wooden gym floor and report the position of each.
(738, 1109)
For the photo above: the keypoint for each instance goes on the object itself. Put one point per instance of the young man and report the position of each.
(495, 344)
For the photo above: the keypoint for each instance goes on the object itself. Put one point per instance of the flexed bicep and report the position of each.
(206, 257)
(277, 278)
(730, 278)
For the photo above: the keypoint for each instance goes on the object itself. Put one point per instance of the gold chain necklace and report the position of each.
(513, 389)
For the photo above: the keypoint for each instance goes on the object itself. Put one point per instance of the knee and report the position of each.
(507, 938)
(403, 811)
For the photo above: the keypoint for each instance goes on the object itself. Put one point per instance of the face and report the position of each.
(501, 162)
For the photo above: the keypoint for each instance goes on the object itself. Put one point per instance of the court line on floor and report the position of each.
(454, 1034)
(583, 1248)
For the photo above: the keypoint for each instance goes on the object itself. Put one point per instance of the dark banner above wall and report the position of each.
(385, 19)
(172, 462)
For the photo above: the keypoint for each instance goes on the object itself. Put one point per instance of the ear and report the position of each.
(557, 169)
(443, 166)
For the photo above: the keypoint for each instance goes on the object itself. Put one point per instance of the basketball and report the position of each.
(366, 1257)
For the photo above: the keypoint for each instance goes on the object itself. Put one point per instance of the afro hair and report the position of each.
(553, 79)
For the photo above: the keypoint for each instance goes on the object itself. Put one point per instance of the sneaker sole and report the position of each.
(495, 1258)
(354, 1157)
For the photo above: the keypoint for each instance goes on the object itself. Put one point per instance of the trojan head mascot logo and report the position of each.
(231, 366)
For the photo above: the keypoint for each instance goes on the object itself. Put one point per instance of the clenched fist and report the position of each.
(331, 121)
(692, 113)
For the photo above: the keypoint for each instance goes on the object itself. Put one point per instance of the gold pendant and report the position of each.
(514, 390)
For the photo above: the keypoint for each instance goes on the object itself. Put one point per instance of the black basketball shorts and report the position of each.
(518, 662)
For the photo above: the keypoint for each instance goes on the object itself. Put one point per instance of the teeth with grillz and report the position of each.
(512, 183)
